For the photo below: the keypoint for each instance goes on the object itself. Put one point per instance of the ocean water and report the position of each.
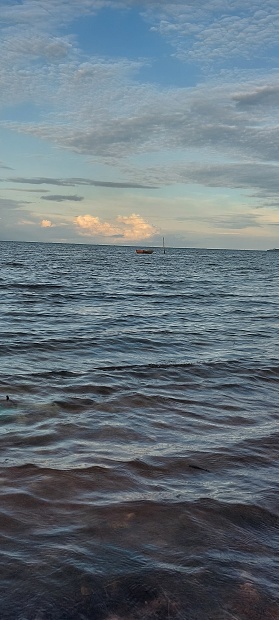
(140, 441)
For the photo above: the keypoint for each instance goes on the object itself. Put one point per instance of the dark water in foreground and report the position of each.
(139, 448)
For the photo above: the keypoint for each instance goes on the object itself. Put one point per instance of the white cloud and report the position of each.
(97, 107)
(46, 224)
(46, 13)
(211, 31)
(129, 228)
(143, 119)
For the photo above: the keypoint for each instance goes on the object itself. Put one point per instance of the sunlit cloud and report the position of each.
(129, 228)
(90, 225)
(46, 224)
(134, 227)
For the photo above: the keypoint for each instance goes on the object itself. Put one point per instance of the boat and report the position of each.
(144, 251)
(273, 250)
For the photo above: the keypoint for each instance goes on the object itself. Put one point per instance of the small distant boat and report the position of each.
(273, 250)
(144, 251)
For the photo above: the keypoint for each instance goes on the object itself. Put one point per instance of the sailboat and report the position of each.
(149, 250)
(144, 251)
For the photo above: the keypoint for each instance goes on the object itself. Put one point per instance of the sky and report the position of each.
(124, 121)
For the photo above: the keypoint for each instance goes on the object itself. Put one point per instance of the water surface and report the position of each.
(139, 445)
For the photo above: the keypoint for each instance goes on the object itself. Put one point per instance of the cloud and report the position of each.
(34, 191)
(41, 181)
(232, 220)
(135, 227)
(214, 31)
(13, 215)
(267, 95)
(207, 117)
(11, 205)
(226, 120)
(46, 13)
(77, 181)
(99, 107)
(129, 228)
(60, 198)
(2, 165)
(90, 225)
(246, 175)
(46, 224)
(236, 221)
(258, 180)
(113, 184)
(109, 114)
(205, 30)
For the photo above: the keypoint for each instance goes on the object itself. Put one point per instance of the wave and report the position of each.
(38, 286)
(234, 366)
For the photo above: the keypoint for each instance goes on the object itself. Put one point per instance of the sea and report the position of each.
(139, 433)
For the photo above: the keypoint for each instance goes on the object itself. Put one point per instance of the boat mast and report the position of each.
(164, 245)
